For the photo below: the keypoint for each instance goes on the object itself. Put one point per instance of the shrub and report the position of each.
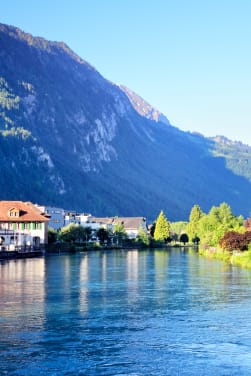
(233, 240)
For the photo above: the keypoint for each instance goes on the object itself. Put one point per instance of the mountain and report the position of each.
(71, 138)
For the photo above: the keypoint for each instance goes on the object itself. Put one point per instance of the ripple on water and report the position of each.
(126, 313)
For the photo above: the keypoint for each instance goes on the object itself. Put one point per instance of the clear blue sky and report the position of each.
(189, 58)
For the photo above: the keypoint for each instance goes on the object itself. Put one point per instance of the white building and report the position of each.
(22, 225)
(76, 218)
(130, 224)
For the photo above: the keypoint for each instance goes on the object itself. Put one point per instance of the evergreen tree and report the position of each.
(162, 229)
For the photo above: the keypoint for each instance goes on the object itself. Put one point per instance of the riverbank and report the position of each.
(242, 259)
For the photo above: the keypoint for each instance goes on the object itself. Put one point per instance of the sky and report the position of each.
(191, 59)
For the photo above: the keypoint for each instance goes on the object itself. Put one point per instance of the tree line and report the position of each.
(84, 235)
(218, 227)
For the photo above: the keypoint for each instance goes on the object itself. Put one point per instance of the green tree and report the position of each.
(162, 229)
(196, 215)
(75, 233)
(66, 233)
(176, 229)
(119, 232)
(143, 237)
(217, 222)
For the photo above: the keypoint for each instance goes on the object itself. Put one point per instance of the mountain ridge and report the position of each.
(71, 138)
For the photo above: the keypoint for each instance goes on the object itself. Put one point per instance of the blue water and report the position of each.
(147, 312)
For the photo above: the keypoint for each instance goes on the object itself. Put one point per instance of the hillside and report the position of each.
(69, 137)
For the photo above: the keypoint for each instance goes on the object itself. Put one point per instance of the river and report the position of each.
(126, 312)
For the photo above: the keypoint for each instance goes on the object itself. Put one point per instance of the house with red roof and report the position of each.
(22, 224)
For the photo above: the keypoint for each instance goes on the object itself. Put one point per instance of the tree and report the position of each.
(119, 232)
(184, 238)
(176, 229)
(66, 233)
(103, 235)
(196, 240)
(86, 234)
(175, 237)
(219, 220)
(162, 229)
(52, 235)
(75, 233)
(152, 229)
(233, 240)
(143, 237)
(195, 217)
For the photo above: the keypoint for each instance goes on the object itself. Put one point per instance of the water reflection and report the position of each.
(110, 312)
(83, 284)
(22, 282)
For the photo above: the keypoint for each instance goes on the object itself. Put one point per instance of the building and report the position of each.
(76, 218)
(103, 222)
(56, 216)
(130, 224)
(22, 225)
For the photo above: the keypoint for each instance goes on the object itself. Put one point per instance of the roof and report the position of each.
(128, 222)
(103, 220)
(28, 212)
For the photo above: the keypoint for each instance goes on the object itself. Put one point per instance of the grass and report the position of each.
(216, 253)
(242, 259)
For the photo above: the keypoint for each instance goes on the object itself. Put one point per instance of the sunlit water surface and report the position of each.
(147, 312)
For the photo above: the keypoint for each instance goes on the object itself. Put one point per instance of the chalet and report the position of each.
(22, 225)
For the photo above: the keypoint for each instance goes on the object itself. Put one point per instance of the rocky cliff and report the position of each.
(69, 137)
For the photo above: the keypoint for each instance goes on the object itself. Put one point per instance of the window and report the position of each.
(13, 239)
(13, 226)
(36, 226)
(13, 212)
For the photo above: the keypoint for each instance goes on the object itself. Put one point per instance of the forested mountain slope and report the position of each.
(69, 137)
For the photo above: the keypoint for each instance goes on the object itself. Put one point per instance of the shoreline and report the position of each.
(241, 259)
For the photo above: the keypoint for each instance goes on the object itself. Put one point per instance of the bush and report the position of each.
(233, 240)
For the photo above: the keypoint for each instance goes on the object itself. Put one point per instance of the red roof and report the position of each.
(27, 212)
